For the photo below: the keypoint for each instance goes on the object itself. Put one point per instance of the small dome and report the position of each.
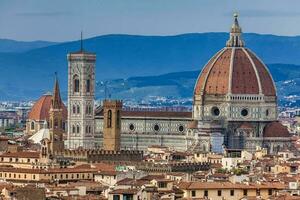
(275, 129)
(40, 110)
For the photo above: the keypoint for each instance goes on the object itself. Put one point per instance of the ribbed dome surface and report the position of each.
(276, 129)
(40, 110)
(236, 71)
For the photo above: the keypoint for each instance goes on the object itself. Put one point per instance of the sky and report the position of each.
(63, 20)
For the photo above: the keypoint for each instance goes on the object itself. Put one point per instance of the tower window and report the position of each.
(109, 118)
(55, 123)
(78, 129)
(90, 109)
(118, 119)
(87, 109)
(32, 126)
(73, 129)
(78, 109)
(76, 84)
(88, 85)
(90, 129)
(74, 109)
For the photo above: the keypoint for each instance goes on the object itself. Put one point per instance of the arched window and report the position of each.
(90, 129)
(90, 109)
(55, 123)
(73, 129)
(109, 118)
(78, 129)
(32, 126)
(74, 109)
(76, 83)
(78, 109)
(118, 119)
(88, 85)
(87, 109)
(86, 129)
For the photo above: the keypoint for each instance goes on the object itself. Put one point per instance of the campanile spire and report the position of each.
(235, 39)
(56, 99)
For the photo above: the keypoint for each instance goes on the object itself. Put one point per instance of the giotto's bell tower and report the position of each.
(81, 95)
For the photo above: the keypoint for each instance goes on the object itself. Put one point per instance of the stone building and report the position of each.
(141, 129)
(235, 106)
(39, 114)
(54, 143)
(236, 90)
(112, 125)
(81, 95)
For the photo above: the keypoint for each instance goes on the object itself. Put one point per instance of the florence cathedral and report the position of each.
(235, 107)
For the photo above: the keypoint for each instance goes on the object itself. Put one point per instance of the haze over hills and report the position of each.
(26, 74)
(7, 45)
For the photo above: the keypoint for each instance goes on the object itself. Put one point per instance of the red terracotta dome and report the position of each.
(40, 110)
(236, 70)
(275, 129)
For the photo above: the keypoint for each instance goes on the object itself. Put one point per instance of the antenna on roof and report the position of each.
(81, 42)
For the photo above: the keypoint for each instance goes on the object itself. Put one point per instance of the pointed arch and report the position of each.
(76, 83)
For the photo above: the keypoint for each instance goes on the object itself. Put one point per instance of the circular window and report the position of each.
(156, 127)
(180, 128)
(131, 127)
(215, 111)
(244, 112)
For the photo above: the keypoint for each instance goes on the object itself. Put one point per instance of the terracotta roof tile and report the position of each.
(40, 110)
(218, 78)
(275, 129)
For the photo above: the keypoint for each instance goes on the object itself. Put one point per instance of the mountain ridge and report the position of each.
(27, 75)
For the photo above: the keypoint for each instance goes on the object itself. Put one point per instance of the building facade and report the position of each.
(235, 106)
(141, 129)
(236, 90)
(81, 95)
(38, 116)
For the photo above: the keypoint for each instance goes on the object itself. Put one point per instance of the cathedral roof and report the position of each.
(235, 70)
(40, 110)
(275, 129)
(40, 135)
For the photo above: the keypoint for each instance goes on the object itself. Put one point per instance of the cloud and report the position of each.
(266, 13)
(43, 14)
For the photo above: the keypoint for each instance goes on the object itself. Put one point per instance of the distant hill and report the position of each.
(7, 46)
(26, 75)
(180, 85)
